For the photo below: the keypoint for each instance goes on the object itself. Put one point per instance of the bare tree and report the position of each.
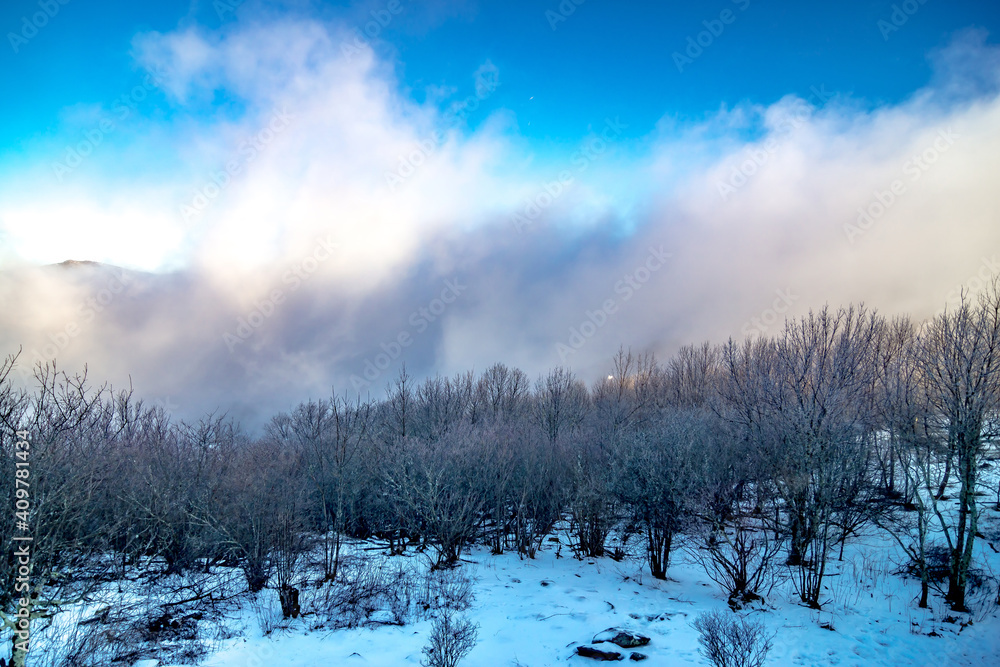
(804, 401)
(333, 436)
(397, 412)
(504, 392)
(959, 362)
(63, 447)
(438, 492)
(734, 541)
(13, 408)
(258, 490)
(560, 403)
(690, 379)
(627, 397)
(441, 404)
(175, 473)
(539, 488)
(501, 479)
(661, 468)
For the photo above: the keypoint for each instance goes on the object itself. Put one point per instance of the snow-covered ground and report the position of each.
(535, 612)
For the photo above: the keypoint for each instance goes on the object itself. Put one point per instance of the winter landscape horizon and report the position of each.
(467, 332)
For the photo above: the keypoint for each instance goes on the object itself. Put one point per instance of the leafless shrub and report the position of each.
(77, 645)
(366, 586)
(386, 591)
(289, 546)
(729, 640)
(334, 437)
(740, 558)
(448, 589)
(661, 470)
(451, 640)
(267, 608)
(120, 636)
(438, 493)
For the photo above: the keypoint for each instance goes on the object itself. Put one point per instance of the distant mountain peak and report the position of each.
(73, 263)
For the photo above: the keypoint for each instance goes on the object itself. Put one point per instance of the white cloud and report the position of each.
(785, 225)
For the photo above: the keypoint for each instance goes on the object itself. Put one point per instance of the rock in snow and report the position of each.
(598, 654)
(620, 637)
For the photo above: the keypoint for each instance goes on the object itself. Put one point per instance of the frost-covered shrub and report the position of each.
(448, 589)
(373, 590)
(729, 640)
(451, 640)
(365, 586)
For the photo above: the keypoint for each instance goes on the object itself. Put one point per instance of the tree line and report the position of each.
(761, 455)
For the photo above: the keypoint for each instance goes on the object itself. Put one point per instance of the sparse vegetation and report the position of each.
(729, 640)
(769, 452)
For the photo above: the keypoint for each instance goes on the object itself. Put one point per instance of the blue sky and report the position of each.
(604, 59)
(289, 200)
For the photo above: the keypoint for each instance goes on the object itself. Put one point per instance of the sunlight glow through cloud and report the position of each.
(311, 155)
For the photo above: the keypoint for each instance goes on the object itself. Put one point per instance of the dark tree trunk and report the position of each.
(289, 596)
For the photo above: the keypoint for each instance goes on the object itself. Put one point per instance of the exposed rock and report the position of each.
(621, 638)
(638, 657)
(164, 622)
(598, 654)
(166, 627)
(739, 601)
